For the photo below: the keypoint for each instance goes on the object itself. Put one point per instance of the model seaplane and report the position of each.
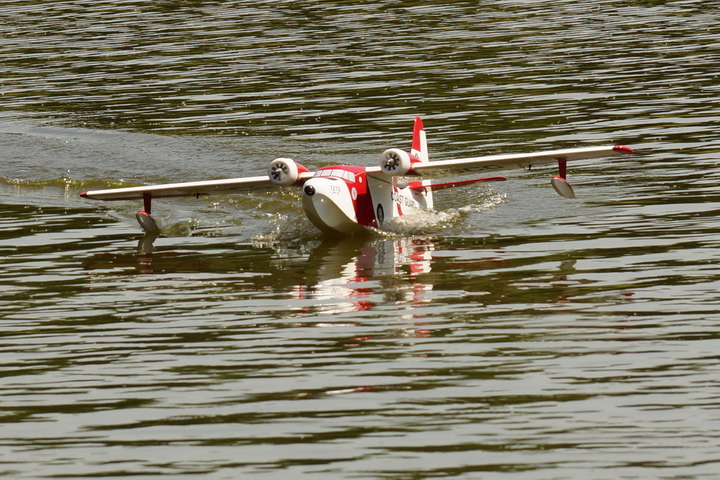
(346, 199)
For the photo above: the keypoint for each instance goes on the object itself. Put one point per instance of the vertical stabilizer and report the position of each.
(419, 141)
(419, 149)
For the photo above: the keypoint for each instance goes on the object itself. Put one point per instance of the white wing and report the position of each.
(444, 168)
(189, 189)
(431, 169)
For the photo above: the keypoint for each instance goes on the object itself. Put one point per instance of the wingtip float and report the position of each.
(345, 199)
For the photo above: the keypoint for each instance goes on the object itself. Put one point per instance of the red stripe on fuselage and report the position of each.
(398, 204)
(364, 208)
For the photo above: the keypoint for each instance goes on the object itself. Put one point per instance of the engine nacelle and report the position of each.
(283, 171)
(395, 162)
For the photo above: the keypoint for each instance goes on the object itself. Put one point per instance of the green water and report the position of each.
(510, 334)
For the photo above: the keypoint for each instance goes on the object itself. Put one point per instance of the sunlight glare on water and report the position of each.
(510, 333)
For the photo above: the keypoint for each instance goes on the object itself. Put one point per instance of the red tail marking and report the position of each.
(417, 128)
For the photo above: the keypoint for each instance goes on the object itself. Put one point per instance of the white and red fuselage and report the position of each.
(347, 199)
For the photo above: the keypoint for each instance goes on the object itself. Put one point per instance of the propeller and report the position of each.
(283, 171)
(395, 162)
(392, 162)
(277, 171)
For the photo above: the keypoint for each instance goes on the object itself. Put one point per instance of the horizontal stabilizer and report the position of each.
(419, 187)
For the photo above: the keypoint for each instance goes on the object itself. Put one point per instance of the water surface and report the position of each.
(510, 334)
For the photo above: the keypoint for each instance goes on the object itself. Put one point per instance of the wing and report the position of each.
(191, 189)
(491, 163)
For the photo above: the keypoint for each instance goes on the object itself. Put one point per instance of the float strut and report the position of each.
(562, 168)
(147, 201)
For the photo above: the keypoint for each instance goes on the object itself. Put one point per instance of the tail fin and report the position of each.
(419, 141)
(419, 149)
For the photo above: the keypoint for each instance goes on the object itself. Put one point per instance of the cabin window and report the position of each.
(336, 172)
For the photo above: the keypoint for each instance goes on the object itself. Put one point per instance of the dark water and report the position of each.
(511, 334)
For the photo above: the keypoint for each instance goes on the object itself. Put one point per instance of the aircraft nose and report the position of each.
(328, 204)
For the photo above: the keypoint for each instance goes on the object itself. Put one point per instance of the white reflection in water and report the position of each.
(347, 287)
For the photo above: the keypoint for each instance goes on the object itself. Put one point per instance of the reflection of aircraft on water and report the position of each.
(344, 285)
(345, 199)
(339, 274)
(352, 274)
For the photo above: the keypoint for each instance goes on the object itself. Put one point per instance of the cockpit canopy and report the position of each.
(336, 172)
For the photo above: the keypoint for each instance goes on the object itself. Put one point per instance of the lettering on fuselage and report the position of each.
(402, 200)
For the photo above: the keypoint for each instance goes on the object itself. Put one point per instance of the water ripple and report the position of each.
(510, 332)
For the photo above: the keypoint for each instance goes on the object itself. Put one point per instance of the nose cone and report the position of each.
(329, 205)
